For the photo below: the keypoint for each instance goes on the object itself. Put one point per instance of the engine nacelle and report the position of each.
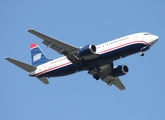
(120, 70)
(87, 50)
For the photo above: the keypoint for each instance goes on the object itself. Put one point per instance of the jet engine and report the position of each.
(120, 70)
(87, 50)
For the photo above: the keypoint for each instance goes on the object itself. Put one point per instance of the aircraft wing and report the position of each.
(44, 80)
(70, 51)
(57, 45)
(106, 75)
(114, 80)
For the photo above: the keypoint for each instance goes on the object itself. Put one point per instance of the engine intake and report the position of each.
(120, 70)
(87, 50)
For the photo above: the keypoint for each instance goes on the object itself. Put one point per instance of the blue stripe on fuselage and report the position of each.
(102, 59)
(117, 54)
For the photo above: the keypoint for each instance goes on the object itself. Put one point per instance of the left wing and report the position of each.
(114, 80)
(44, 80)
(104, 72)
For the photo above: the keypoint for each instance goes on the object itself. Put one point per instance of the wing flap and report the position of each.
(24, 66)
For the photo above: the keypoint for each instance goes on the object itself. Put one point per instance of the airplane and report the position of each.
(97, 60)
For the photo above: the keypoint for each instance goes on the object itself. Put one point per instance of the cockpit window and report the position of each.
(147, 33)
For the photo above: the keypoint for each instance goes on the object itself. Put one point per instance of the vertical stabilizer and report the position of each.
(37, 56)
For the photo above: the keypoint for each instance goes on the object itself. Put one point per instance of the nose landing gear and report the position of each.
(143, 49)
(141, 54)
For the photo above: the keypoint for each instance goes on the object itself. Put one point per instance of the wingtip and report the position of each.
(123, 88)
(30, 30)
(6, 58)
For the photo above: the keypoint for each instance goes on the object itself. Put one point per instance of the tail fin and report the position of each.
(37, 56)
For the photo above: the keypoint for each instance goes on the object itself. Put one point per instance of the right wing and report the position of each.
(66, 49)
(70, 51)
(57, 45)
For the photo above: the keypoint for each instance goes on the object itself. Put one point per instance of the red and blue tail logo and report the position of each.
(37, 56)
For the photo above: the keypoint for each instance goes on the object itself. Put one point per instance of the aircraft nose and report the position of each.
(154, 39)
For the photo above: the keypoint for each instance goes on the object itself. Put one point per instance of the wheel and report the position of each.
(97, 77)
(141, 54)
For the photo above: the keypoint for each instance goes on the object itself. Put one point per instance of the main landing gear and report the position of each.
(96, 76)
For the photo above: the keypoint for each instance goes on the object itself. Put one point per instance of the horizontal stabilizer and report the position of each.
(24, 66)
(44, 80)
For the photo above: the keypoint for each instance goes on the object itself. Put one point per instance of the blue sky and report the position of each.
(79, 96)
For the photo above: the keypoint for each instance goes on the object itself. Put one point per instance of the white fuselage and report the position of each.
(138, 38)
